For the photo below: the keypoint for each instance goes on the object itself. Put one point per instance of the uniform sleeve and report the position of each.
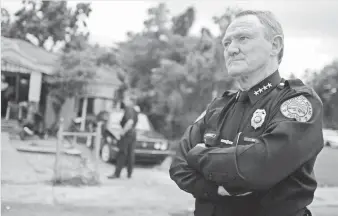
(261, 162)
(187, 178)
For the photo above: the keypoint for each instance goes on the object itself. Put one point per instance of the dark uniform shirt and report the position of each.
(261, 146)
(130, 113)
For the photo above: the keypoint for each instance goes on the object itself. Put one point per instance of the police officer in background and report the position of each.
(126, 145)
(252, 152)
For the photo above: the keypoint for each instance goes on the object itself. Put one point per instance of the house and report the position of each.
(99, 96)
(24, 67)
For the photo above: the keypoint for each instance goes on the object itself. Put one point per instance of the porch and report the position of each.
(23, 67)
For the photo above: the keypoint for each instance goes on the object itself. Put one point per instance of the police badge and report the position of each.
(258, 118)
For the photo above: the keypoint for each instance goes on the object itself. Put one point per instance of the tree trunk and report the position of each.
(55, 126)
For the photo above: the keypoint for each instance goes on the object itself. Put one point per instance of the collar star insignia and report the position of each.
(261, 90)
(264, 86)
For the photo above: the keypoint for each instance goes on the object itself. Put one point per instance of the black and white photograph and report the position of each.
(169, 108)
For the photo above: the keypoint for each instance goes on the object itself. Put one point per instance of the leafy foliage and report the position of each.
(325, 83)
(76, 69)
(183, 22)
(176, 74)
(5, 21)
(43, 22)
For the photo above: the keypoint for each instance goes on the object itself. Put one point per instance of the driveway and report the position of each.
(149, 192)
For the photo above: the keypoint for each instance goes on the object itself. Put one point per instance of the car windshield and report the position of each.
(142, 124)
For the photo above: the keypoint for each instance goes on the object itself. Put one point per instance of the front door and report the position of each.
(16, 91)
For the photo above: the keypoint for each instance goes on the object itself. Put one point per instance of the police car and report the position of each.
(330, 138)
(150, 146)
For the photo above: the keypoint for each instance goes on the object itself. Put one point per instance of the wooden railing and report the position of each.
(97, 146)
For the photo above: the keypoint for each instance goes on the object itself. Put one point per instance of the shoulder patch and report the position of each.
(298, 108)
(201, 116)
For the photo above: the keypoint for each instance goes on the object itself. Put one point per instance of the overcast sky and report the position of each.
(310, 26)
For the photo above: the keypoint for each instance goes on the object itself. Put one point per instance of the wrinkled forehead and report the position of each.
(249, 24)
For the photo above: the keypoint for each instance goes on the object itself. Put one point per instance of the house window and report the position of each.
(90, 107)
(95, 105)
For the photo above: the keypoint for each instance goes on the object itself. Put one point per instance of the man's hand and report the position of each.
(192, 155)
(221, 191)
(119, 135)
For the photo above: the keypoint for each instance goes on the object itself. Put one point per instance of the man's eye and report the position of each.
(226, 44)
(243, 38)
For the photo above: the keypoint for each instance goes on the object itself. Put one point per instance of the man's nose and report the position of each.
(232, 49)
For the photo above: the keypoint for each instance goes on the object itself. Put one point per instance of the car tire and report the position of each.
(106, 154)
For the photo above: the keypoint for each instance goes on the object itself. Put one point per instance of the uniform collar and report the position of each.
(265, 86)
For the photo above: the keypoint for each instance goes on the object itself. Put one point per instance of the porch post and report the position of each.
(8, 110)
(84, 113)
(17, 87)
(35, 82)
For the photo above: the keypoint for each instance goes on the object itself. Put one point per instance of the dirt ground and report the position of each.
(149, 192)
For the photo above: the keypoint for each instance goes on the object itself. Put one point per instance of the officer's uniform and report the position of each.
(126, 145)
(261, 147)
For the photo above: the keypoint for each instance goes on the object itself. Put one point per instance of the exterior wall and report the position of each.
(101, 90)
(67, 112)
(35, 83)
(103, 100)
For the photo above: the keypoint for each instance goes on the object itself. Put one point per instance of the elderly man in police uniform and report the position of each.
(252, 152)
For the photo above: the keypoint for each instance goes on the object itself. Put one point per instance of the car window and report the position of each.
(143, 123)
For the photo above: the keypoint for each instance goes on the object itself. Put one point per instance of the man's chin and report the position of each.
(235, 72)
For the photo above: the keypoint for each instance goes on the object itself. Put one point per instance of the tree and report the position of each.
(158, 20)
(325, 83)
(175, 74)
(225, 19)
(76, 69)
(5, 22)
(51, 22)
(183, 22)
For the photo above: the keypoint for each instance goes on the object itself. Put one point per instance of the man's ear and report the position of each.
(277, 45)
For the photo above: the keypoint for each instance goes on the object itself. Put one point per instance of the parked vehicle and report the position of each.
(330, 138)
(150, 145)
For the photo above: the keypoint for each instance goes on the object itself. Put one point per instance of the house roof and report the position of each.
(24, 54)
(107, 75)
(104, 83)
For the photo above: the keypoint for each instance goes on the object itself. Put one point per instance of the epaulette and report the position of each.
(229, 92)
(298, 85)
